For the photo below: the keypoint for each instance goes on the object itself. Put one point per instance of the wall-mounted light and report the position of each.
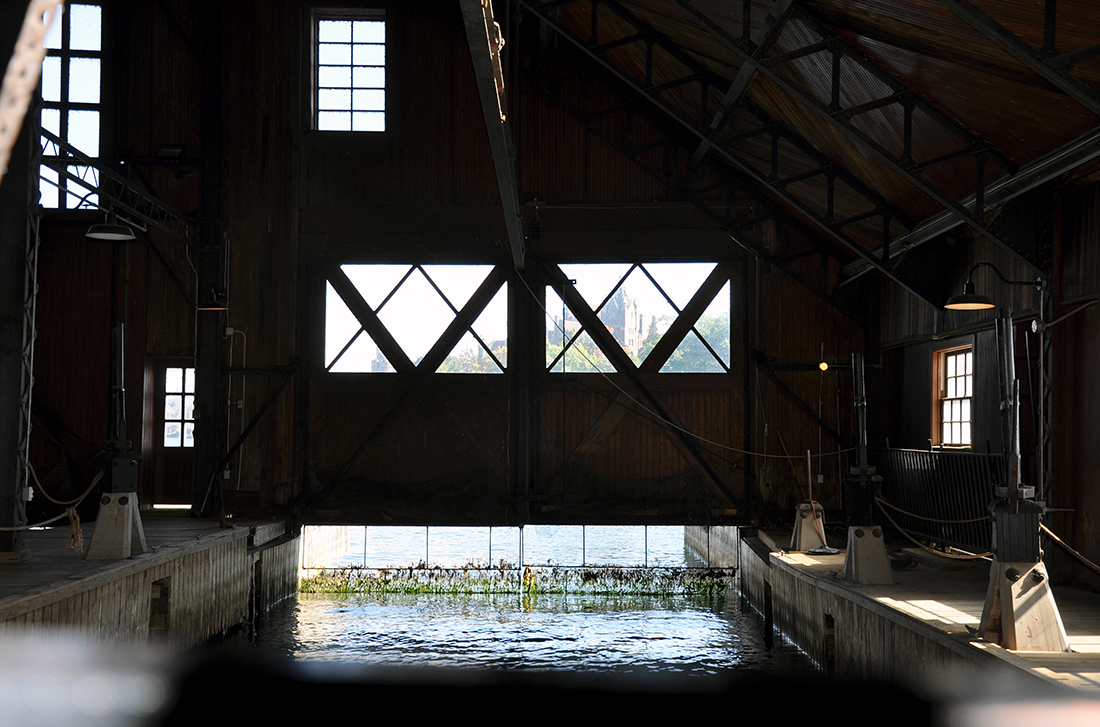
(110, 230)
(969, 300)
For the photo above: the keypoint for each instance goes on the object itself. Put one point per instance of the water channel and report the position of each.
(671, 634)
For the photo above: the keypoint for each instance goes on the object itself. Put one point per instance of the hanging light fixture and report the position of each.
(215, 300)
(110, 230)
(969, 300)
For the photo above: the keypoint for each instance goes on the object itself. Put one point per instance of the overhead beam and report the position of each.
(826, 225)
(831, 112)
(632, 121)
(1082, 149)
(744, 77)
(1053, 71)
(483, 36)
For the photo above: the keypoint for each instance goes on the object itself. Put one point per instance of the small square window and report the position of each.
(954, 390)
(349, 71)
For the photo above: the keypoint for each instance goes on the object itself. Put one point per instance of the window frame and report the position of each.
(939, 395)
(90, 183)
(318, 14)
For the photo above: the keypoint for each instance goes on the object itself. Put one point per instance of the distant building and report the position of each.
(622, 318)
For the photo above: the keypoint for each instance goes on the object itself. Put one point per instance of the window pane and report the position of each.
(964, 437)
(47, 188)
(370, 77)
(334, 77)
(173, 406)
(370, 55)
(51, 121)
(189, 380)
(84, 131)
(189, 434)
(965, 415)
(334, 31)
(370, 31)
(369, 121)
(969, 386)
(84, 27)
(369, 100)
(171, 434)
(334, 100)
(189, 407)
(173, 380)
(334, 55)
(53, 35)
(84, 80)
(950, 366)
(951, 388)
(334, 121)
(80, 194)
(969, 362)
(51, 79)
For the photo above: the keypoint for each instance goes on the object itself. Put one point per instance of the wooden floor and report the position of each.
(50, 561)
(952, 600)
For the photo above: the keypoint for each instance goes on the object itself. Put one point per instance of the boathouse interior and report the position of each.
(301, 181)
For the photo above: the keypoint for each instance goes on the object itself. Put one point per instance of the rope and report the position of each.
(930, 519)
(922, 546)
(21, 77)
(1065, 546)
(76, 535)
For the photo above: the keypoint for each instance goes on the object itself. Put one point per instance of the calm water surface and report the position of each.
(671, 634)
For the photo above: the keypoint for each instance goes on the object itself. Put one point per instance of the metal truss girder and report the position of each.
(700, 125)
(1039, 172)
(128, 200)
(900, 165)
(823, 224)
(728, 221)
(1053, 70)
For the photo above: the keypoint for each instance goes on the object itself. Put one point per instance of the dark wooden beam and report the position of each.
(367, 318)
(483, 35)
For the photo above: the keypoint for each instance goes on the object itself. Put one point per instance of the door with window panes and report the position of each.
(174, 431)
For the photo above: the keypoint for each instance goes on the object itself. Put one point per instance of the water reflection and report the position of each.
(674, 634)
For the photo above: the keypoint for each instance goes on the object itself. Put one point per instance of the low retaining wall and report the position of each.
(852, 636)
(178, 597)
(715, 545)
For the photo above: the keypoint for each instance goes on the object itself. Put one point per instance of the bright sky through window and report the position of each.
(70, 103)
(638, 313)
(416, 304)
(350, 80)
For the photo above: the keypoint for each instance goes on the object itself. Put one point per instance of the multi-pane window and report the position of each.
(638, 303)
(350, 73)
(70, 105)
(179, 407)
(956, 390)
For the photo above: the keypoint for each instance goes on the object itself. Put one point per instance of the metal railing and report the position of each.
(940, 495)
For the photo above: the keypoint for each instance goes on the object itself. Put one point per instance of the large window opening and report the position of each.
(71, 106)
(386, 318)
(349, 81)
(640, 304)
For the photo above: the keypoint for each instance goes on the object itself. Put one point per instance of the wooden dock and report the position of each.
(918, 629)
(197, 580)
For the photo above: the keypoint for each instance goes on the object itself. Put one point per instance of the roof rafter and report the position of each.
(825, 221)
(833, 111)
(622, 123)
(1055, 70)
